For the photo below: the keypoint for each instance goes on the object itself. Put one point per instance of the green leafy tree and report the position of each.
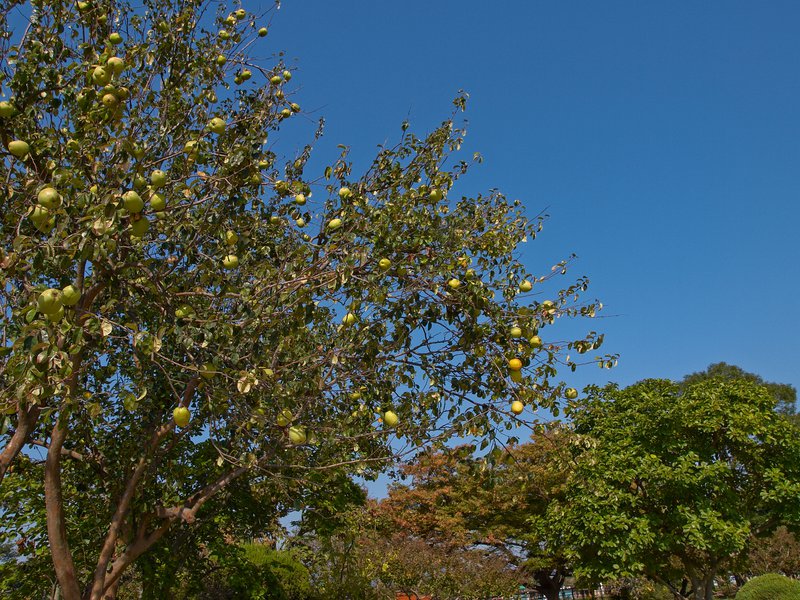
(671, 480)
(188, 313)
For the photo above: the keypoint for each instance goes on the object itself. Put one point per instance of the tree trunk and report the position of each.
(704, 587)
(56, 527)
(549, 585)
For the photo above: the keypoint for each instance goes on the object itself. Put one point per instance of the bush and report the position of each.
(770, 587)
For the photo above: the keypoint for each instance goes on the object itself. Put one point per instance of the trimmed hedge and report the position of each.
(770, 587)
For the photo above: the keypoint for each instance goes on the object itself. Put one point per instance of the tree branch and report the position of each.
(26, 421)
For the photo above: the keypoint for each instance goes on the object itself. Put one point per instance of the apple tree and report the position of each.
(671, 480)
(191, 312)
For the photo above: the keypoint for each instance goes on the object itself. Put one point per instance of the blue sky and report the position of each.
(663, 140)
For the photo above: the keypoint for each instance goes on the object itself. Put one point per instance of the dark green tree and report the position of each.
(672, 480)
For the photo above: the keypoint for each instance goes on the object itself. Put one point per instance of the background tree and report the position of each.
(455, 501)
(187, 313)
(784, 393)
(775, 553)
(370, 556)
(671, 480)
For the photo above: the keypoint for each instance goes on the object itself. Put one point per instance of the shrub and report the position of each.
(770, 587)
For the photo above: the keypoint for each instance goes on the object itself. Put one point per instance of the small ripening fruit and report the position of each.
(110, 101)
(221, 60)
(284, 418)
(231, 237)
(70, 295)
(101, 76)
(158, 202)
(133, 202)
(230, 262)
(345, 193)
(49, 198)
(570, 393)
(139, 227)
(454, 284)
(349, 319)
(181, 416)
(262, 32)
(515, 332)
(275, 80)
(216, 125)
(19, 148)
(297, 435)
(516, 376)
(49, 301)
(517, 407)
(116, 64)
(334, 224)
(384, 264)
(115, 38)
(436, 194)
(525, 286)
(158, 178)
(390, 418)
(7, 109)
(535, 342)
(515, 364)
(300, 199)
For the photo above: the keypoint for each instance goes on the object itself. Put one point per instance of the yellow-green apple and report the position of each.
(7, 109)
(101, 75)
(132, 202)
(49, 301)
(19, 148)
(49, 198)
(70, 295)
(158, 178)
(390, 418)
(158, 202)
(216, 125)
(116, 64)
(284, 417)
(297, 435)
(140, 226)
(181, 416)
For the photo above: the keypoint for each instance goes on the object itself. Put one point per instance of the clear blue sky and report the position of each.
(664, 139)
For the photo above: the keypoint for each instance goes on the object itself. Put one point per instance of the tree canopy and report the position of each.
(784, 393)
(195, 326)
